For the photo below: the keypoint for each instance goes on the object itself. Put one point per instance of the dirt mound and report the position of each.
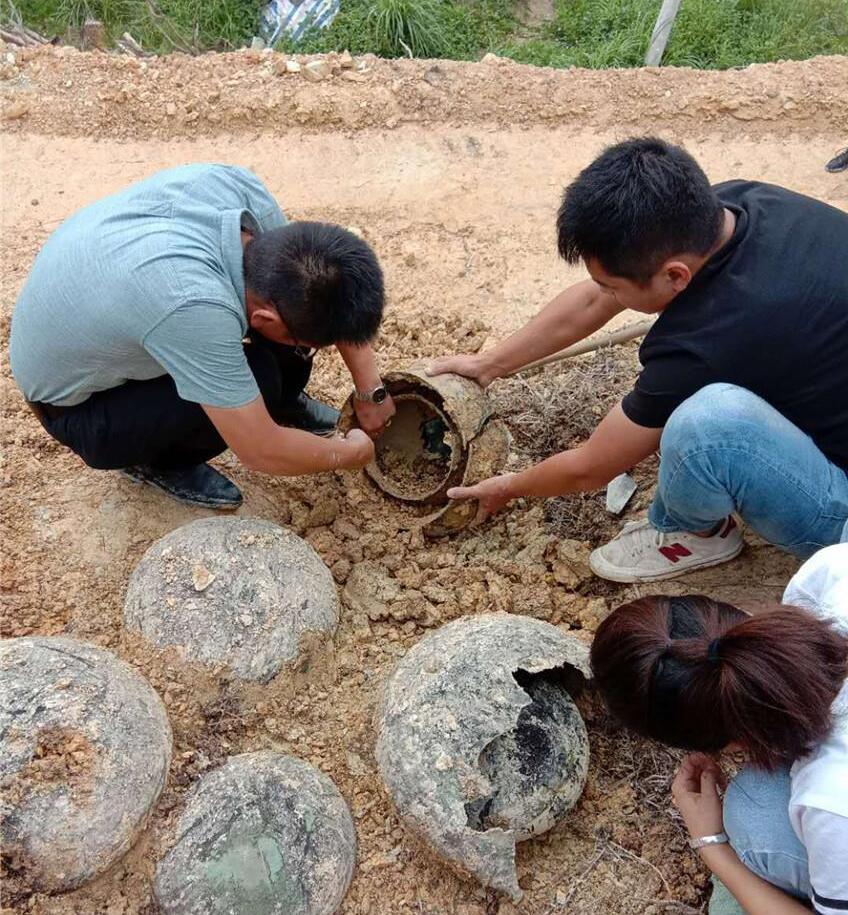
(64, 91)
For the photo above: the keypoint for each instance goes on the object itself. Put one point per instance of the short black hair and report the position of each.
(639, 203)
(325, 282)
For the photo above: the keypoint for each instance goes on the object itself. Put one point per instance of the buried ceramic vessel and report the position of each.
(444, 434)
(479, 742)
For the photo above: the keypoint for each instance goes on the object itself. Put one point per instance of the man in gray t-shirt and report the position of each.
(177, 318)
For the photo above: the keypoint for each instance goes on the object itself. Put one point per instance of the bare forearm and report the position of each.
(361, 362)
(614, 447)
(756, 896)
(291, 452)
(574, 314)
(556, 476)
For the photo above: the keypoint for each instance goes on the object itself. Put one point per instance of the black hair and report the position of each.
(325, 282)
(639, 203)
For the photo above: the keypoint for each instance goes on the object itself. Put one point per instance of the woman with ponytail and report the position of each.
(703, 675)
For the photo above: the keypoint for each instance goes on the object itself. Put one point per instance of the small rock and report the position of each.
(593, 614)
(292, 66)
(571, 563)
(170, 109)
(15, 111)
(490, 58)
(354, 77)
(257, 44)
(201, 577)
(620, 491)
(355, 765)
(317, 70)
(346, 61)
(444, 762)
(322, 513)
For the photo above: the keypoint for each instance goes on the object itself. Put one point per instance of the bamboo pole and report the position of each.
(662, 30)
(639, 329)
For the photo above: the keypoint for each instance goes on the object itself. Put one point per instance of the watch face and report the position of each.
(380, 395)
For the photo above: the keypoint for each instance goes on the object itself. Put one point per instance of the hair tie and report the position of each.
(712, 651)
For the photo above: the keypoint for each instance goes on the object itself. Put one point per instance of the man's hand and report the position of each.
(491, 495)
(260, 444)
(475, 367)
(360, 450)
(695, 791)
(373, 417)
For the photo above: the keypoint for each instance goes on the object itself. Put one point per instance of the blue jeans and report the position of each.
(726, 450)
(756, 819)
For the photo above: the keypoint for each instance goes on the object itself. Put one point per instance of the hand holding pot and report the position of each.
(472, 366)
(491, 495)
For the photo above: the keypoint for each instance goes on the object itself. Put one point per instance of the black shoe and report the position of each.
(200, 485)
(839, 162)
(308, 414)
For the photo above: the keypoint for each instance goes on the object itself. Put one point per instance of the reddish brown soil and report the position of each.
(453, 172)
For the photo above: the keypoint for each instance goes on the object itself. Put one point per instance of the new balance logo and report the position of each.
(674, 552)
(731, 524)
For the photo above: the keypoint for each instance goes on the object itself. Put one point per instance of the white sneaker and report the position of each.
(641, 553)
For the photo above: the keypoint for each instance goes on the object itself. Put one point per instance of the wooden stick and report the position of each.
(662, 29)
(639, 329)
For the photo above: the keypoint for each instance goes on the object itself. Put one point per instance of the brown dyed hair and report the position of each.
(699, 674)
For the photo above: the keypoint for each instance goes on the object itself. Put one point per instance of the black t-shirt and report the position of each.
(768, 312)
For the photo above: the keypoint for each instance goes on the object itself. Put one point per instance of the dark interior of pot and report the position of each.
(415, 455)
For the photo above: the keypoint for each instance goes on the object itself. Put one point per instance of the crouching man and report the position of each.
(744, 387)
(179, 317)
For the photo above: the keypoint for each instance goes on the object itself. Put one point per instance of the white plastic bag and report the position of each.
(294, 17)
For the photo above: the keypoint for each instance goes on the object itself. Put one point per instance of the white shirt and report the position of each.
(818, 805)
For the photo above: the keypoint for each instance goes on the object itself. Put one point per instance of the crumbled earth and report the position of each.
(63, 756)
(453, 172)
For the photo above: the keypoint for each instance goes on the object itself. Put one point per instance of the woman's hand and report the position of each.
(695, 791)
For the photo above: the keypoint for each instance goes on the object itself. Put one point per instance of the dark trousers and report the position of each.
(146, 422)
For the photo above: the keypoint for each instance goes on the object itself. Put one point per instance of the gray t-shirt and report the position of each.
(141, 284)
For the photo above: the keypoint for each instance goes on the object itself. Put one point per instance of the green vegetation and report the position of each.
(583, 33)
(426, 28)
(710, 34)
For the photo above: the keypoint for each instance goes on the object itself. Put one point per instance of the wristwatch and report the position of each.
(377, 396)
(718, 839)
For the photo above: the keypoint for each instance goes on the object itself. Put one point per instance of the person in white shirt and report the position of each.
(704, 676)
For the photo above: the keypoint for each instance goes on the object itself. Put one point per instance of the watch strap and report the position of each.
(367, 396)
(719, 838)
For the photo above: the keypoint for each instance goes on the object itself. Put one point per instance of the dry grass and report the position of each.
(558, 407)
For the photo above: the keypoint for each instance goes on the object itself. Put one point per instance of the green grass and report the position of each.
(584, 33)
(457, 30)
(709, 34)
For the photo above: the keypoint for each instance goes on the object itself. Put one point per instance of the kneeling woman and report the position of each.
(695, 673)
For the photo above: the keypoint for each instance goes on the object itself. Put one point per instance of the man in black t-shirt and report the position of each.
(744, 386)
